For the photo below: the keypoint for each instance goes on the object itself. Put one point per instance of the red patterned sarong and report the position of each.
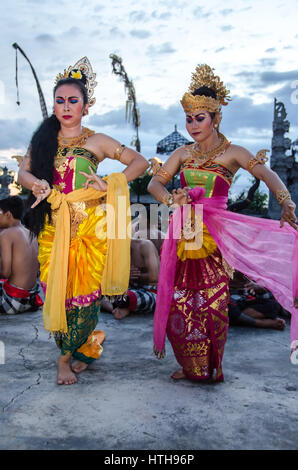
(198, 320)
(15, 300)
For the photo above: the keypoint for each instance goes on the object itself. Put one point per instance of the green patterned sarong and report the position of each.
(80, 341)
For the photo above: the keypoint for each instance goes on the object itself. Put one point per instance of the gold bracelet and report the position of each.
(164, 174)
(260, 158)
(168, 199)
(119, 151)
(155, 165)
(282, 195)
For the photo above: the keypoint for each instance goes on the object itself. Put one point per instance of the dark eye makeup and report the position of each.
(198, 118)
(71, 100)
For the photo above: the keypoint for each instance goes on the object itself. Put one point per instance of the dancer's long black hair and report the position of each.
(43, 149)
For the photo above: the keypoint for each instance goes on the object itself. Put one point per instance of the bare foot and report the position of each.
(78, 366)
(178, 375)
(281, 324)
(276, 324)
(65, 374)
(120, 313)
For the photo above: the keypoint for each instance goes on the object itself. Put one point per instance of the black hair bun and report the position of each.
(78, 75)
(205, 91)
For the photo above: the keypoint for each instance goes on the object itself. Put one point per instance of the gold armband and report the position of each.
(119, 151)
(155, 164)
(282, 195)
(168, 199)
(260, 158)
(164, 174)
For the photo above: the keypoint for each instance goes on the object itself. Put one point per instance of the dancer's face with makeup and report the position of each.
(69, 105)
(199, 125)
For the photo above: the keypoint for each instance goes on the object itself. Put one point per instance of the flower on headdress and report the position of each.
(81, 70)
(76, 74)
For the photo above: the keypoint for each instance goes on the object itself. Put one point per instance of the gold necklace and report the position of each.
(77, 141)
(203, 157)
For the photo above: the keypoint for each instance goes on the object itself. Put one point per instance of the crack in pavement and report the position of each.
(20, 353)
(26, 365)
(21, 393)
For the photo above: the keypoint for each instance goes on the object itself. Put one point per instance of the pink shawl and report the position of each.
(257, 247)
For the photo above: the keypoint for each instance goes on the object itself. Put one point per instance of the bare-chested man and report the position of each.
(20, 289)
(141, 295)
(142, 228)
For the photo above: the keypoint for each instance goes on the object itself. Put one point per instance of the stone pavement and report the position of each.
(127, 400)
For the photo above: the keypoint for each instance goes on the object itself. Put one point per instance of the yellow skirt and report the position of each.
(87, 254)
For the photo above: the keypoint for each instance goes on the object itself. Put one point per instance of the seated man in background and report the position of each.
(145, 229)
(253, 305)
(141, 295)
(20, 289)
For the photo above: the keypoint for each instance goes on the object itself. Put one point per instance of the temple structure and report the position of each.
(5, 180)
(174, 140)
(166, 146)
(283, 163)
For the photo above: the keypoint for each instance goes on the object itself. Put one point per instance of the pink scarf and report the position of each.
(256, 247)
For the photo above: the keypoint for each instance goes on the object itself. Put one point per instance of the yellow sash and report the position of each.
(116, 272)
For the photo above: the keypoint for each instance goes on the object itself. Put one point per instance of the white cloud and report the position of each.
(226, 27)
(140, 33)
(246, 42)
(165, 48)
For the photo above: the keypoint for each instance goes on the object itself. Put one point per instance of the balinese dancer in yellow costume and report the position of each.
(192, 298)
(69, 214)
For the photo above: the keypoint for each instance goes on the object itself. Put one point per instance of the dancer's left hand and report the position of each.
(181, 196)
(288, 214)
(94, 181)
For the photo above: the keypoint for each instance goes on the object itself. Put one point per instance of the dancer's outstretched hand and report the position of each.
(41, 190)
(288, 214)
(94, 181)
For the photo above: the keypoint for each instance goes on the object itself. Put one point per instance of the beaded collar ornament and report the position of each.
(77, 141)
(81, 70)
(204, 76)
(202, 157)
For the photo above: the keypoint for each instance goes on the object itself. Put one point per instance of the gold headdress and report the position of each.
(204, 76)
(81, 70)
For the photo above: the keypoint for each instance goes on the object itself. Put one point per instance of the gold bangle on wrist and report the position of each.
(282, 195)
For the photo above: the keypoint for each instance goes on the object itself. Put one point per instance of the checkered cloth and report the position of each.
(15, 300)
(142, 299)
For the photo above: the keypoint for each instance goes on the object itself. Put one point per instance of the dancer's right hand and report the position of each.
(41, 190)
(94, 181)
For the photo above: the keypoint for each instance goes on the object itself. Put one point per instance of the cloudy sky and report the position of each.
(252, 44)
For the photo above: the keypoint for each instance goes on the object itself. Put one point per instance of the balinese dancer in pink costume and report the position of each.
(193, 295)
